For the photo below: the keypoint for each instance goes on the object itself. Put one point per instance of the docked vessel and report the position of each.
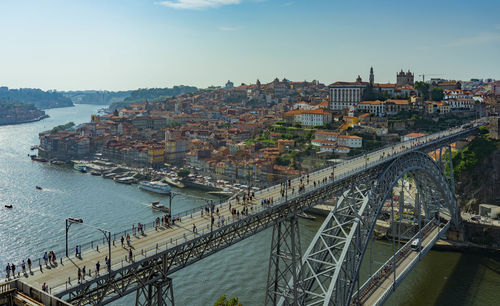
(125, 180)
(157, 187)
(174, 182)
(80, 167)
(160, 207)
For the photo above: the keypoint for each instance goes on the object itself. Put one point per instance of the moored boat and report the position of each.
(157, 187)
(80, 167)
(125, 180)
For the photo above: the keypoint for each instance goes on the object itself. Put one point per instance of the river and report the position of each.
(36, 224)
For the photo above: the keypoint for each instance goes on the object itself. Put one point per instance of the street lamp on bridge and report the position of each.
(106, 233)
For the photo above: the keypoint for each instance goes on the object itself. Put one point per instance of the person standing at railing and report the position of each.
(130, 254)
(23, 266)
(7, 270)
(45, 258)
(29, 264)
(79, 274)
(83, 273)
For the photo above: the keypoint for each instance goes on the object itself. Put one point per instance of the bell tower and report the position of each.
(372, 77)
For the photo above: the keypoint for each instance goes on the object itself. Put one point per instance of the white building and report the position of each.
(346, 94)
(350, 141)
(314, 117)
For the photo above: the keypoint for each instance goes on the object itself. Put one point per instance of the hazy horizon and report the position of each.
(130, 44)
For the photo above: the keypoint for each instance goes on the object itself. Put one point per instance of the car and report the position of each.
(416, 245)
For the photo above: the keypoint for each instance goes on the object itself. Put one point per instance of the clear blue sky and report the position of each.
(128, 44)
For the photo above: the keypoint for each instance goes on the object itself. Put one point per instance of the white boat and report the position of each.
(306, 216)
(157, 187)
(125, 180)
(80, 167)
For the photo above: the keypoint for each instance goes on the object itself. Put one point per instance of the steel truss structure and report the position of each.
(285, 260)
(331, 264)
(343, 238)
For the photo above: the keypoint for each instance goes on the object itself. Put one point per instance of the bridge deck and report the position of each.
(387, 282)
(57, 277)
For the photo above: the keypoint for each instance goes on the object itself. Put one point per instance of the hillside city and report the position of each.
(259, 133)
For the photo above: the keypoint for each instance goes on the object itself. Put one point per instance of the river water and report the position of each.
(36, 224)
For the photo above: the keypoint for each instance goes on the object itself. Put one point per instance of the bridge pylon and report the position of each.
(284, 280)
(159, 293)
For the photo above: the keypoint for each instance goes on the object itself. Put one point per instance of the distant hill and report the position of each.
(37, 97)
(96, 97)
(152, 95)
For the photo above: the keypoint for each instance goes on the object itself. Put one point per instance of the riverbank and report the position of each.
(25, 121)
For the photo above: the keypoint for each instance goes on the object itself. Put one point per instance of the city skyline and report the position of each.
(123, 45)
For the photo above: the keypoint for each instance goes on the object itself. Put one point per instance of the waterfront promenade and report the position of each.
(63, 276)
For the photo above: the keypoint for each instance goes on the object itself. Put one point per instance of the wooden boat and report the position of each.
(8, 206)
(157, 206)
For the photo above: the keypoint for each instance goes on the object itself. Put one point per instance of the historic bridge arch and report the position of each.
(330, 269)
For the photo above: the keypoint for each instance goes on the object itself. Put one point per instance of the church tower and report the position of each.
(372, 77)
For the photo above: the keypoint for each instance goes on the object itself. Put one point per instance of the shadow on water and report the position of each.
(472, 281)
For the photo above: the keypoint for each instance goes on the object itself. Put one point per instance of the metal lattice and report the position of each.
(284, 264)
(333, 260)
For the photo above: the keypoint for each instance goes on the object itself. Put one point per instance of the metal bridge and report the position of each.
(327, 273)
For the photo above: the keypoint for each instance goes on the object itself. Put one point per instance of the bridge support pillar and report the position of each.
(159, 293)
(284, 281)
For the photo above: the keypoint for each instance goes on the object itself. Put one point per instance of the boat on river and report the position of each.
(80, 167)
(159, 207)
(9, 206)
(306, 216)
(156, 187)
(38, 188)
(174, 182)
(125, 180)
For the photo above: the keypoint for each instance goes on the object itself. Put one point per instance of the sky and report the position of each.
(129, 44)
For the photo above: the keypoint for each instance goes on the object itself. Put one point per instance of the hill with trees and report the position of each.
(37, 97)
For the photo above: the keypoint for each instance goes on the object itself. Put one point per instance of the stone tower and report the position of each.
(372, 77)
(404, 78)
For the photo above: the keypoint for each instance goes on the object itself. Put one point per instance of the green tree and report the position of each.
(183, 173)
(423, 89)
(437, 94)
(223, 301)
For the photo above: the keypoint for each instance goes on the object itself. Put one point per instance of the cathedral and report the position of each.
(403, 79)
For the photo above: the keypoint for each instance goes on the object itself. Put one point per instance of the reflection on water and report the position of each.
(36, 224)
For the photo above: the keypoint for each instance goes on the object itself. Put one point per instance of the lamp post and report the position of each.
(171, 196)
(106, 233)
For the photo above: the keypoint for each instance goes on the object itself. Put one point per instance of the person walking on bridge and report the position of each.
(97, 266)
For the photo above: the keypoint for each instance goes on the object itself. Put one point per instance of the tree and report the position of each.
(423, 89)
(223, 301)
(437, 94)
(183, 173)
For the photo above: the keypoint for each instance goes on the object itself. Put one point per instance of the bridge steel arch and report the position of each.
(331, 265)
